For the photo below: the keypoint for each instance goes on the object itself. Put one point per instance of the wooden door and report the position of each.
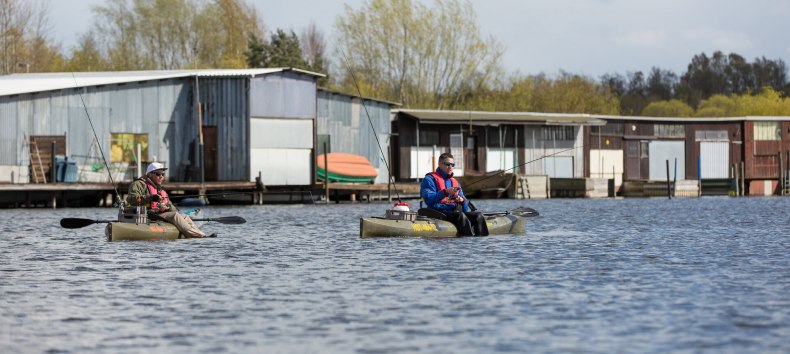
(210, 152)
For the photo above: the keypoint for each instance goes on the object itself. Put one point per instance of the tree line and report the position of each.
(432, 57)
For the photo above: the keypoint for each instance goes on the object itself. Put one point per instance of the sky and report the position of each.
(587, 37)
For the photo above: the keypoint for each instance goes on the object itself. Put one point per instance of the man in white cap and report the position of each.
(148, 190)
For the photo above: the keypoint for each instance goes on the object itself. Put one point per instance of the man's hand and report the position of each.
(452, 193)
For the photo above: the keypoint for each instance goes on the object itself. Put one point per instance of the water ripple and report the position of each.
(641, 275)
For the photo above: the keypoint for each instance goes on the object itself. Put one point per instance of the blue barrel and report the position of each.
(71, 173)
(60, 167)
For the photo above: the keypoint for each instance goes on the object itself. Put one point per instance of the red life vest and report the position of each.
(440, 183)
(153, 190)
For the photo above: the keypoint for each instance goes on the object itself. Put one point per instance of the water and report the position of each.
(599, 276)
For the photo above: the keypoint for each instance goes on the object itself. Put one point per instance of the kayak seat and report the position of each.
(431, 213)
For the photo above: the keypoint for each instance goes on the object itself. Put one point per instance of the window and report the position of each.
(559, 133)
(645, 148)
(429, 137)
(633, 149)
(123, 147)
(670, 130)
(767, 131)
(608, 129)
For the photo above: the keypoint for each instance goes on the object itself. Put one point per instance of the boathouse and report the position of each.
(204, 125)
(344, 125)
(520, 143)
(700, 156)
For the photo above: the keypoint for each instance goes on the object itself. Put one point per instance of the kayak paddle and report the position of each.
(76, 223)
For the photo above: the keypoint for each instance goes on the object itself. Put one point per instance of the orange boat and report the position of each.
(347, 168)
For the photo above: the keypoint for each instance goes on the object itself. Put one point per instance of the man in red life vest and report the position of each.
(148, 191)
(442, 192)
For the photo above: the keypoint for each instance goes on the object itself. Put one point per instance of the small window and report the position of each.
(608, 129)
(558, 133)
(429, 137)
(645, 149)
(123, 147)
(670, 130)
(767, 131)
(633, 149)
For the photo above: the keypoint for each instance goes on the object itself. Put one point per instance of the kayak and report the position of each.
(153, 230)
(345, 168)
(128, 230)
(422, 226)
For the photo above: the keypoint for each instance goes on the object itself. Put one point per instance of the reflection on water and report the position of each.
(637, 275)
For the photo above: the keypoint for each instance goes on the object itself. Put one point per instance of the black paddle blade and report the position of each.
(525, 212)
(231, 220)
(76, 223)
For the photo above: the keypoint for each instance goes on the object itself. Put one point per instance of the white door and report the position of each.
(660, 152)
(457, 149)
(558, 166)
(714, 159)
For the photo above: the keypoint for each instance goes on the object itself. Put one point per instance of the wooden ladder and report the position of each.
(522, 188)
(36, 166)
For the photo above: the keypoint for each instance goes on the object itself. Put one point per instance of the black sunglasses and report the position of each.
(451, 164)
(160, 174)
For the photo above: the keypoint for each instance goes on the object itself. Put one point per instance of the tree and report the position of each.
(420, 56)
(718, 106)
(671, 108)
(768, 102)
(283, 50)
(24, 42)
(314, 51)
(87, 56)
(174, 34)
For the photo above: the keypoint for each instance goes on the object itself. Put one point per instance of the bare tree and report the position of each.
(420, 56)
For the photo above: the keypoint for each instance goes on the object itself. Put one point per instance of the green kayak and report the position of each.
(154, 230)
(512, 222)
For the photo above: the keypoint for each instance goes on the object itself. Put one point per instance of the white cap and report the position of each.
(155, 166)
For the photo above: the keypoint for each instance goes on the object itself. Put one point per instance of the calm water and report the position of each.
(637, 275)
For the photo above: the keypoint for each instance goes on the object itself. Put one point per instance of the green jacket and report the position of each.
(138, 189)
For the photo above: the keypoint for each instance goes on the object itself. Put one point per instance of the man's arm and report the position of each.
(138, 190)
(429, 193)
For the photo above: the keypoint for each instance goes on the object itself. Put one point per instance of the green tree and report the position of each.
(174, 34)
(423, 57)
(718, 106)
(670, 108)
(768, 102)
(87, 56)
(25, 45)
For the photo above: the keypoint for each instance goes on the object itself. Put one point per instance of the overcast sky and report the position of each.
(589, 37)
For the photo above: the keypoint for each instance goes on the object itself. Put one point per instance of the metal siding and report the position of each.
(559, 167)
(661, 151)
(225, 100)
(281, 167)
(11, 141)
(283, 95)
(715, 159)
(345, 119)
(281, 133)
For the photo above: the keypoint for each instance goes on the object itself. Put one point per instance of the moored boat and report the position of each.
(345, 168)
(409, 224)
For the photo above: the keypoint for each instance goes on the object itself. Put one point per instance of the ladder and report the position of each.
(786, 183)
(522, 188)
(36, 166)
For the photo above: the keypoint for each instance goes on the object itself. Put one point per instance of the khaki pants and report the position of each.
(183, 223)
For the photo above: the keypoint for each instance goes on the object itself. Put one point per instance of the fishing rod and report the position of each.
(499, 173)
(104, 159)
(390, 178)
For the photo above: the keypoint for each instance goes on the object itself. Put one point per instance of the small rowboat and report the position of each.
(511, 222)
(345, 168)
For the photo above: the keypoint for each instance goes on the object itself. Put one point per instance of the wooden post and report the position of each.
(743, 178)
(669, 189)
(326, 173)
(389, 175)
(52, 166)
(781, 175)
